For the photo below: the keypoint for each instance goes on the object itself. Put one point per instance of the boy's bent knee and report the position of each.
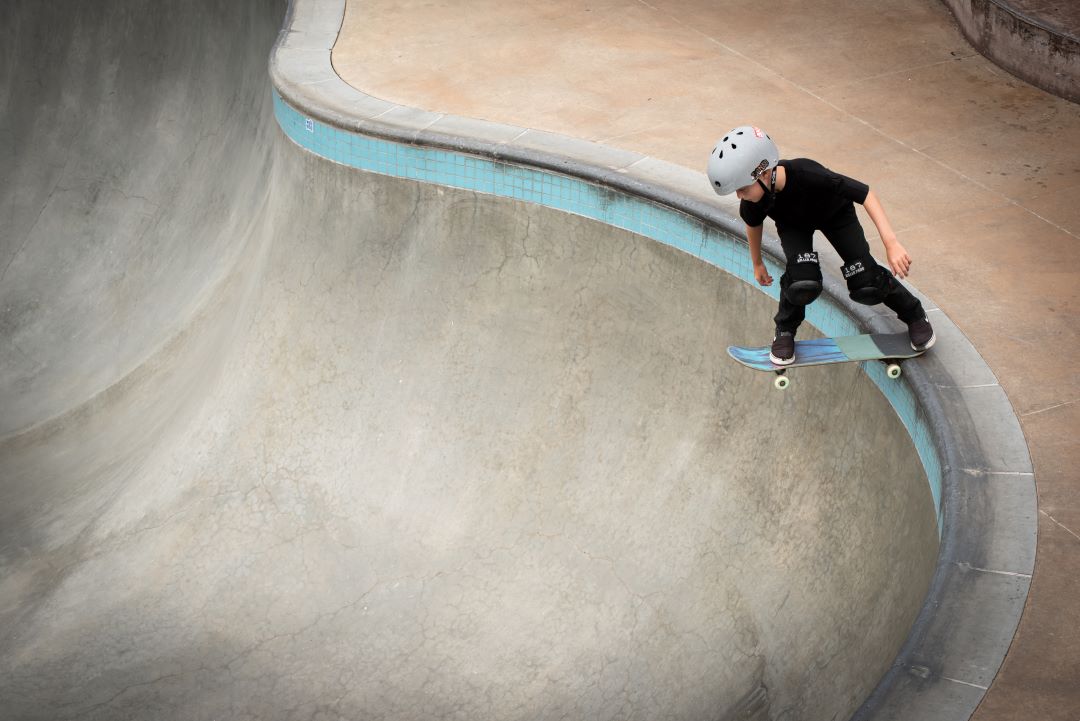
(801, 282)
(868, 283)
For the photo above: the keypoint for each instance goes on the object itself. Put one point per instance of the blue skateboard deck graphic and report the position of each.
(822, 351)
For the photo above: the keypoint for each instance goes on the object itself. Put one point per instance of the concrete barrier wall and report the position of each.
(1041, 55)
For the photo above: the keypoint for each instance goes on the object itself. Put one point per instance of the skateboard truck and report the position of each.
(892, 370)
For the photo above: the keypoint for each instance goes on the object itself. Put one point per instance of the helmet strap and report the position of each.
(769, 189)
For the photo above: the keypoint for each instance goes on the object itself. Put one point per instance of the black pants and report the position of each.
(845, 233)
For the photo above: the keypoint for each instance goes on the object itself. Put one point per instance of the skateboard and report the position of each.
(889, 348)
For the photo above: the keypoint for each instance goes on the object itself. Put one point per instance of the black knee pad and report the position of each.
(868, 283)
(801, 283)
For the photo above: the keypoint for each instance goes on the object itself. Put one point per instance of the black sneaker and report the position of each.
(783, 348)
(921, 334)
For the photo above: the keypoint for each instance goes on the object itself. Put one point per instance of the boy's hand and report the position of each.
(899, 260)
(761, 274)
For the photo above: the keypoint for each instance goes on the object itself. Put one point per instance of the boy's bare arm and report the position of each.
(761, 274)
(899, 260)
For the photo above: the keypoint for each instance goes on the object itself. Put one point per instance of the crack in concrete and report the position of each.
(1061, 525)
(1049, 408)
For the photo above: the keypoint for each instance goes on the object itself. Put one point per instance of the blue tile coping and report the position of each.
(963, 427)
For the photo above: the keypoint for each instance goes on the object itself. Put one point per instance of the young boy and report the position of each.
(802, 196)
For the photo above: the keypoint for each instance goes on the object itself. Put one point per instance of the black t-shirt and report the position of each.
(812, 196)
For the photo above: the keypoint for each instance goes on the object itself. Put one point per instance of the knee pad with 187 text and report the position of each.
(868, 283)
(801, 282)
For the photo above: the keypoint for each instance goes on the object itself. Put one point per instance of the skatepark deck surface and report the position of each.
(282, 439)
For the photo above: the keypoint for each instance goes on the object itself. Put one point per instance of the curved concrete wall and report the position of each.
(130, 141)
(1026, 47)
(393, 448)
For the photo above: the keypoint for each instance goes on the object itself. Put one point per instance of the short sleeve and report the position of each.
(817, 176)
(849, 188)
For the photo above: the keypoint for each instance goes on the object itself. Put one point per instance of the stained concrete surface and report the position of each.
(284, 440)
(979, 172)
(1035, 40)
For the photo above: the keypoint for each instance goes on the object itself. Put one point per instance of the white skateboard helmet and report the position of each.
(740, 157)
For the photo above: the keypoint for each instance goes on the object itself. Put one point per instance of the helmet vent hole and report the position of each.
(721, 154)
(733, 146)
(739, 133)
(725, 138)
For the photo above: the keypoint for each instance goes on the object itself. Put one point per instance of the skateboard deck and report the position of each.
(822, 351)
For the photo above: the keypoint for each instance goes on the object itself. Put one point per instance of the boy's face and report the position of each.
(752, 192)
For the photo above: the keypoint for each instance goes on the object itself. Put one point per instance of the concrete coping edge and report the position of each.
(968, 414)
